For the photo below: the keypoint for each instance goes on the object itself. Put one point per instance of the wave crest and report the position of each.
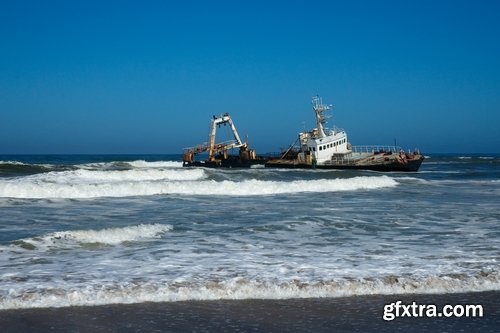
(73, 185)
(238, 288)
(89, 176)
(109, 236)
(158, 164)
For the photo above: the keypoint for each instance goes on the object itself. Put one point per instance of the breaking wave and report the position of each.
(15, 168)
(127, 165)
(12, 163)
(159, 164)
(90, 184)
(239, 288)
(88, 176)
(109, 236)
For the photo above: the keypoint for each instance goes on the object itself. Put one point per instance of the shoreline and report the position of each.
(345, 314)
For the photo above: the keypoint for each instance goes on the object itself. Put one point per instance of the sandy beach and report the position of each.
(350, 314)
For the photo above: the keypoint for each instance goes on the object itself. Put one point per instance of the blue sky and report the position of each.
(146, 76)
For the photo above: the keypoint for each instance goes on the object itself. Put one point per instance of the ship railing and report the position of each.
(376, 149)
(341, 159)
(334, 130)
(197, 149)
(218, 146)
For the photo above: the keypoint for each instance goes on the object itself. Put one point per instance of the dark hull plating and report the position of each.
(410, 166)
(230, 162)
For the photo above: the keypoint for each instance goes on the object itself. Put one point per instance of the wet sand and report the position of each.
(349, 314)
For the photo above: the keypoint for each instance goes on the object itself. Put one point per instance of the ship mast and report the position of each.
(319, 108)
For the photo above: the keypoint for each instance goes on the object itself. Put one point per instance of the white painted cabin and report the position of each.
(322, 146)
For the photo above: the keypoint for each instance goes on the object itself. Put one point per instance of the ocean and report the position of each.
(100, 231)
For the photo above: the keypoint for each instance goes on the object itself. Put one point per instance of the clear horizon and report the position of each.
(145, 78)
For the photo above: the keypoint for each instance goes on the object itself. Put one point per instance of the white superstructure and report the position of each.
(322, 143)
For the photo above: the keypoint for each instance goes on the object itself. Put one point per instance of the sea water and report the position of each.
(91, 230)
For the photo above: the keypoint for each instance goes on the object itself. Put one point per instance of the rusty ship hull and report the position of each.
(373, 162)
(231, 161)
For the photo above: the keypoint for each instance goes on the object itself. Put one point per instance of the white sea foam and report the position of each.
(109, 236)
(238, 288)
(12, 162)
(158, 164)
(139, 164)
(89, 176)
(120, 184)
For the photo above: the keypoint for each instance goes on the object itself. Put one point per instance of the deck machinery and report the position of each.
(218, 153)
